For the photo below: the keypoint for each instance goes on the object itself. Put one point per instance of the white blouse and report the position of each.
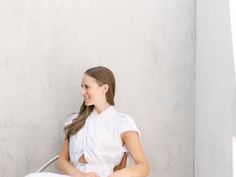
(99, 140)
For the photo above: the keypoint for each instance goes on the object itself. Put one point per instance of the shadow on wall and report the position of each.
(232, 6)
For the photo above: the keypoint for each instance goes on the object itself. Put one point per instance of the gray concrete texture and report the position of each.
(47, 45)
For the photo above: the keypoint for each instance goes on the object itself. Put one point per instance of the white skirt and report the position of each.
(103, 170)
(45, 174)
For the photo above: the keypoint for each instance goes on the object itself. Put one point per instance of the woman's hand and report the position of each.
(90, 174)
(119, 173)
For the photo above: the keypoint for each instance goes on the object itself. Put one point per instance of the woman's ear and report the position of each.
(106, 87)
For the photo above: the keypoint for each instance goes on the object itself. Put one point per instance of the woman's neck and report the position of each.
(101, 107)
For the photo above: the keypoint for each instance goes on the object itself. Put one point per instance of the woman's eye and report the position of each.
(85, 86)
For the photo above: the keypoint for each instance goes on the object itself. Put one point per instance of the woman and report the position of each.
(97, 137)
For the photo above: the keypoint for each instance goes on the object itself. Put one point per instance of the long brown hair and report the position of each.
(102, 75)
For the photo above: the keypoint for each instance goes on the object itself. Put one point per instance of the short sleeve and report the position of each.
(127, 124)
(70, 119)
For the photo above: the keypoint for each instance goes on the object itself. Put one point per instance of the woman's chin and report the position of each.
(87, 103)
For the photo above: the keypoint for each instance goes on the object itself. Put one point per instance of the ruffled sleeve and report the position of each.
(127, 124)
(70, 119)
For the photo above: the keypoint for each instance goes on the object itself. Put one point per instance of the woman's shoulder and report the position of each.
(70, 118)
(124, 117)
(127, 123)
(119, 118)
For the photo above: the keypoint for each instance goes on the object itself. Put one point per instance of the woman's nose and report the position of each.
(82, 91)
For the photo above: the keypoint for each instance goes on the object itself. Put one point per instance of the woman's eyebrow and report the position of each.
(84, 84)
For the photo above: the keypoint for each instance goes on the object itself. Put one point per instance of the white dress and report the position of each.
(99, 141)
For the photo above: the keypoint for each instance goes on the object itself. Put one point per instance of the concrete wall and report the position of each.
(215, 90)
(47, 45)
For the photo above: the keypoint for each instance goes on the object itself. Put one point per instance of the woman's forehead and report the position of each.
(88, 79)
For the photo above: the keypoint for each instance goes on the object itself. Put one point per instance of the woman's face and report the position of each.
(93, 93)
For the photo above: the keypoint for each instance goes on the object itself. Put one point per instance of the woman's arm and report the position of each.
(66, 168)
(140, 169)
(63, 162)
